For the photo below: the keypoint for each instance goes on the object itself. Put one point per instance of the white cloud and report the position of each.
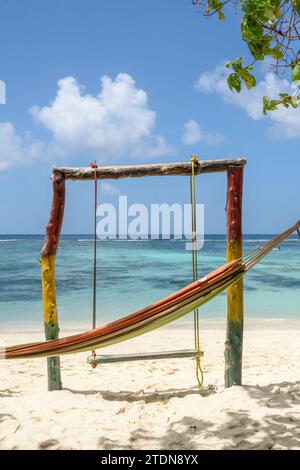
(14, 149)
(116, 122)
(285, 123)
(2, 92)
(194, 134)
(109, 189)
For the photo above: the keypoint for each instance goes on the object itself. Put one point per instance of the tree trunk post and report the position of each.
(48, 254)
(235, 310)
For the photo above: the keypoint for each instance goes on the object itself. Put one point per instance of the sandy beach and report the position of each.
(156, 405)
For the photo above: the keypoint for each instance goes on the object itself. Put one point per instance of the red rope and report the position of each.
(94, 166)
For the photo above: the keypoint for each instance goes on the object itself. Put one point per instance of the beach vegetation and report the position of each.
(271, 31)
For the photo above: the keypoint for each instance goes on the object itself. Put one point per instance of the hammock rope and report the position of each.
(199, 371)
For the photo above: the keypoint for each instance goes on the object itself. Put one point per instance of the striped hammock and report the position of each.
(154, 316)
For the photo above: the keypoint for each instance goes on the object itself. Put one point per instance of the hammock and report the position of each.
(154, 316)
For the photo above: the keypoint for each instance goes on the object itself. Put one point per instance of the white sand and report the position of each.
(155, 405)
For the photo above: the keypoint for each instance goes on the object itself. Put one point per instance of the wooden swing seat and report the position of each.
(152, 356)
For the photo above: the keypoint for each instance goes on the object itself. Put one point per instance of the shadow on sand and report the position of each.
(240, 430)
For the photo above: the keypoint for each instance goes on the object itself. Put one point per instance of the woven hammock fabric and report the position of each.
(154, 316)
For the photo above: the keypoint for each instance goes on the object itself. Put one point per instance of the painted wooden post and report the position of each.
(48, 254)
(235, 309)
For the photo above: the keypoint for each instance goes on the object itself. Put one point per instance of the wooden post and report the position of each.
(48, 254)
(235, 310)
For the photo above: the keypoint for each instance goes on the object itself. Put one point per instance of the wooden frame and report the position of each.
(234, 169)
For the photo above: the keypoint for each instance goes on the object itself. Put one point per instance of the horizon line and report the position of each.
(149, 234)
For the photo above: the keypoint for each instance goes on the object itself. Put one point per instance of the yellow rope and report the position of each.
(198, 353)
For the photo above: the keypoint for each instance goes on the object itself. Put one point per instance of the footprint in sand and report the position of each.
(121, 410)
(36, 419)
(48, 444)
(171, 371)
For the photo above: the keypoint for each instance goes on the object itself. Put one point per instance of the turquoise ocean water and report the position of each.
(133, 274)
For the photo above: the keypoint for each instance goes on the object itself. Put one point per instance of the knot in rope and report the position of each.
(194, 159)
(199, 370)
(94, 365)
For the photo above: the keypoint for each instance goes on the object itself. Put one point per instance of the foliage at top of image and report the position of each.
(271, 29)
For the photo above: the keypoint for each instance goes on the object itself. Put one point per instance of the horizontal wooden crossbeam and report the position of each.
(153, 169)
(153, 356)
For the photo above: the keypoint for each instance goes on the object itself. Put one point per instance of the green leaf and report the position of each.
(276, 53)
(221, 15)
(286, 101)
(270, 14)
(251, 29)
(270, 105)
(278, 13)
(296, 72)
(234, 82)
(237, 64)
(248, 79)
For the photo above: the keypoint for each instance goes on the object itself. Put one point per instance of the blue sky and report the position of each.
(163, 67)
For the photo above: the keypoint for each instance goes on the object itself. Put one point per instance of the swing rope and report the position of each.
(199, 371)
(94, 323)
(198, 353)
